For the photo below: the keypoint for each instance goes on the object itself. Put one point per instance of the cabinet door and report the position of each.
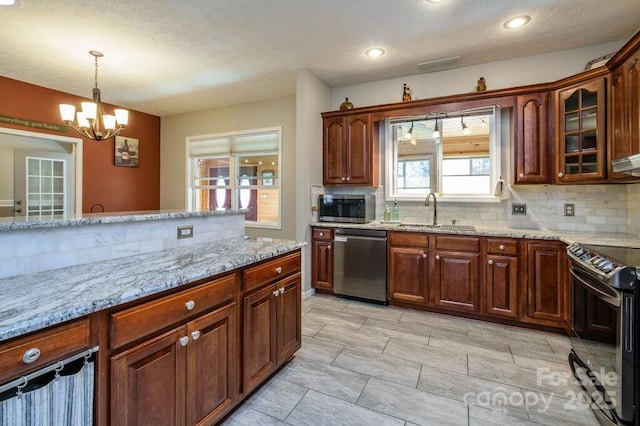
(532, 139)
(457, 280)
(546, 283)
(334, 151)
(322, 265)
(288, 319)
(581, 142)
(359, 155)
(625, 112)
(212, 366)
(502, 286)
(148, 382)
(408, 275)
(259, 346)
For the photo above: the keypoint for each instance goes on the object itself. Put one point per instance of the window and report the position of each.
(456, 156)
(237, 171)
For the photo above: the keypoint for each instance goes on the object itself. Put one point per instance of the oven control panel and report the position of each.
(594, 260)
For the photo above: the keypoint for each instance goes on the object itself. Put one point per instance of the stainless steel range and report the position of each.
(605, 356)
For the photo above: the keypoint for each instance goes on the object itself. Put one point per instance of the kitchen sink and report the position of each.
(443, 227)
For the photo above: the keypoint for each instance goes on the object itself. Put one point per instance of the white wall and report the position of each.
(312, 97)
(271, 113)
(515, 72)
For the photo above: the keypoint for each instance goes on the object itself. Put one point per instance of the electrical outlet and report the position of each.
(518, 208)
(569, 209)
(185, 231)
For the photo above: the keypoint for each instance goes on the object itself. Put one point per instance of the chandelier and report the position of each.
(92, 122)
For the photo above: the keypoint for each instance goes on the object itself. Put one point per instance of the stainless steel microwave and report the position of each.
(347, 208)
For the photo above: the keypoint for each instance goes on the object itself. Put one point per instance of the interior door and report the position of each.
(43, 183)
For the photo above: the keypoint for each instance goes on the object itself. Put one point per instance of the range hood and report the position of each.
(629, 165)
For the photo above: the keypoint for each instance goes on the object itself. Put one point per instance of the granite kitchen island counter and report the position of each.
(34, 301)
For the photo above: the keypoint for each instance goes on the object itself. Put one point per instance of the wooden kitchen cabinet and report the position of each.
(532, 142)
(501, 281)
(408, 268)
(581, 139)
(188, 375)
(547, 286)
(272, 330)
(322, 259)
(625, 105)
(456, 274)
(348, 154)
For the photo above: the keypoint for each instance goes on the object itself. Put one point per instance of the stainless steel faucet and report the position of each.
(435, 207)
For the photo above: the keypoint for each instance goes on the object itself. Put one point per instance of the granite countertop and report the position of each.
(610, 239)
(22, 222)
(35, 301)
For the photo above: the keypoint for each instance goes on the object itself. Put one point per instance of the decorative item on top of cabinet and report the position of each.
(346, 104)
(408, 268)
(349, 151)
(482, 85)
(322, 259)
(580, 152)
(406, 93)
(457, 275)
(532, 139)
(624, 121)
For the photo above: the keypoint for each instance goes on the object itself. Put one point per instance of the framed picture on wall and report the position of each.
(127, 151)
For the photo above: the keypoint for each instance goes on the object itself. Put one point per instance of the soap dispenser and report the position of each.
(387, 213)
(395, 214)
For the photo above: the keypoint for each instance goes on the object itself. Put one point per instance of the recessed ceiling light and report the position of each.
(435, 1)
(375, 52)
(7, 2)
(516, 22)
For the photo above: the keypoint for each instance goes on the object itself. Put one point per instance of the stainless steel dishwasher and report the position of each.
(360, 264)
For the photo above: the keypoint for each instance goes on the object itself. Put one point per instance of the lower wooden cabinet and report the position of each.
(408, 268)
(185, 376)
(322, 259)
(272, 332)
(457, 280)
(501, 294)
(547, 286)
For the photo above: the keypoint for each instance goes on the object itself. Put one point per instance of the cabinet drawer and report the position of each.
(325, 234)
(139, 321)
(502, 246)
(52, 345)
(269, 271)
(452, 242)
(408, 239)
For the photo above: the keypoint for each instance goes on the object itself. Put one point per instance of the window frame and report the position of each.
(495, 161)
(234, 167)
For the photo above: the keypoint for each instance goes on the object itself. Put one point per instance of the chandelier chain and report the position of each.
(96, 74)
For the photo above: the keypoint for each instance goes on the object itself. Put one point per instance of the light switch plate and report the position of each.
(185, 231)
(518, 208)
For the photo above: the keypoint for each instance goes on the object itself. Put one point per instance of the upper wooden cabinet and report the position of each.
(581, 138)
(349, 152)
(532, 147)
(624, 131)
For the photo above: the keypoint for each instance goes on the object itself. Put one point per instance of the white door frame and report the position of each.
(77, 157)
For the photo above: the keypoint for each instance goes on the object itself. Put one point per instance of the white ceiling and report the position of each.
(165, 56)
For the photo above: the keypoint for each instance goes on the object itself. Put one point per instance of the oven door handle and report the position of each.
(588, 282)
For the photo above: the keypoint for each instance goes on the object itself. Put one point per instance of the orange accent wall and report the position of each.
(116, 188)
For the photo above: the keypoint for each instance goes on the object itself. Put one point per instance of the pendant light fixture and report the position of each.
(409, 135)
(92, 122)
(436, 131)
(465, 130)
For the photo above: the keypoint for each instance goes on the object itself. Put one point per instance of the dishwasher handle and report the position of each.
(345, 238)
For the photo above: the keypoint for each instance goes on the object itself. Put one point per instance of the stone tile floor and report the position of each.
(364, 364)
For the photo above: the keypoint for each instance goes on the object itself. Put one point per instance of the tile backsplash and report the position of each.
(598, 208)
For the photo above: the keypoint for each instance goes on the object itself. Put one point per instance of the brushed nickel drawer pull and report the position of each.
(184, 340)
(281, 290)
(437, 257)
(31, 355)
(276, 293)
(322, 234)
(502, 247)
(490, 262)
(279, 270)
(195, 335)
(424, 255)
(190, 305)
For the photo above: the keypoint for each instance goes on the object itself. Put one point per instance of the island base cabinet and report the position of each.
(185, 376)
(272, 330)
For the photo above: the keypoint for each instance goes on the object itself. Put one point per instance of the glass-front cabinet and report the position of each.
(581, 132)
